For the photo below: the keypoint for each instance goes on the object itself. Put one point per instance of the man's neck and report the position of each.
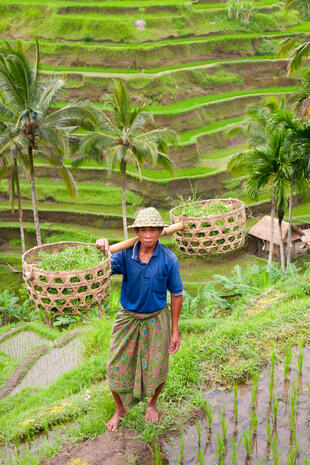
(145, 253)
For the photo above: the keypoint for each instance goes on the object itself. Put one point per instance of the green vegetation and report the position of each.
(71, 258)
(229, 348)
(192, 207)
(195, 69)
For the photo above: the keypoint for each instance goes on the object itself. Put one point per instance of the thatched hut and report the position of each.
(262, 232)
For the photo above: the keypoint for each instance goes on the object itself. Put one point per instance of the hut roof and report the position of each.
(306, 236)
(262, 230)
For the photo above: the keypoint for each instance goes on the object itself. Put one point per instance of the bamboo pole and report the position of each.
(131, 242)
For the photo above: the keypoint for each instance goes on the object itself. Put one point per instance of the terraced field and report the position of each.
(195, 70)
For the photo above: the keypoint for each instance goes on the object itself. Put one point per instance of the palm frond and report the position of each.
(285, 47)
(298, 56)
(69, 181)
(99, 140)
(50, 91)
(166, 163)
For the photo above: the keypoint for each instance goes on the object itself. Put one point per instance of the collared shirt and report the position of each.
(144, 285)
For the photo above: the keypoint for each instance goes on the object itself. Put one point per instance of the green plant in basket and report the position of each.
(192, 207)
(71, 258)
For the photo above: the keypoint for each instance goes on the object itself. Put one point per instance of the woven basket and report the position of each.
(65, 292)
(214, 234)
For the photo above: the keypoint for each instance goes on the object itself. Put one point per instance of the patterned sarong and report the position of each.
(138, 357)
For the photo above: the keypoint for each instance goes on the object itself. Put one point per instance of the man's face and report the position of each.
(148, 236)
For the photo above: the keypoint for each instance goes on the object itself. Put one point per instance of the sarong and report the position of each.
(138, 357)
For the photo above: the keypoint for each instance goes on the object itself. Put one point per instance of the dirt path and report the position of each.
(107, 449)
(103, 74)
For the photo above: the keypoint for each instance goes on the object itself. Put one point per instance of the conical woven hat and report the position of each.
(148, 217)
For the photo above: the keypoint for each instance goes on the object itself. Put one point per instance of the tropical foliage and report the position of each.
(120, 135)
(278, 156)
(29, 125)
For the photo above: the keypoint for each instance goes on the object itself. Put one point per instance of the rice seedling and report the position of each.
(224, 425)
(71, 258)
(275, 405)
(306, 460)
(271, 378)
(191, 207)
(275, 451)
(181, 447)
(254, 390)
(300, 360)
(291, 457)
(235, 389)
(199, 433)
(254, 421)
(209, 410)
(293, 396)
(200, 455)
(220, 449)
(287, 360)
(273, 360)
(296, 442)
(247, 439)
(234, 451)
(157, 454)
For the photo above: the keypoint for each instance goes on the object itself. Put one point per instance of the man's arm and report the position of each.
(176, 305)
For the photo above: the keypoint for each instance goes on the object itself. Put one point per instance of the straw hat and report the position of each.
(148, 217)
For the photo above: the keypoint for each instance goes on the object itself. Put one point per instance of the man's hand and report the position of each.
(175, 343)
(103, 244)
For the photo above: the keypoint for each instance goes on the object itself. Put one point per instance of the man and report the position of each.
(141, 338)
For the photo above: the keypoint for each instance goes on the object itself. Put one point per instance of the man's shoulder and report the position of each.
(168, 253)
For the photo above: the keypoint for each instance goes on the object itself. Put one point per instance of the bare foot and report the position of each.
(151, 414)
(114, 422)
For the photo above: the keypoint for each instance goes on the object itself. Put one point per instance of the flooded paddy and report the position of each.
(51, 365)
(21, 343)
(267, 422)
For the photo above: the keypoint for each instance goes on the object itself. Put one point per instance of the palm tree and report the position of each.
(258, 129)
(30, 121)
(10, 169)
(298, 141)
(267, 165)
(119, 136)
(297, 148)
(289, 47)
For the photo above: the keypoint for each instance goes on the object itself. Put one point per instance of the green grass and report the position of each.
(196, 102)
(7, 367)
(90, 192)
(190, 137)
(151, 72)
(77, 258)
(226, 349)
(76, 208)
(56, 47)
(119, 29)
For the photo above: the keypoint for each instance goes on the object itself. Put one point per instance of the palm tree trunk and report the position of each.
(20, 210)
(273, 208)
(289, 234)
(123, 173)
(281, 245)
(5, 319)
(34, 196)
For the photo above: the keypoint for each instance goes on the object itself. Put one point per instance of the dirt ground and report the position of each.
(107, 449)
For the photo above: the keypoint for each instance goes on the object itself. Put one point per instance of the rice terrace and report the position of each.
(149, 146)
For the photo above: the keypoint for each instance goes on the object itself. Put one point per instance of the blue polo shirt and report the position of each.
(144, 285)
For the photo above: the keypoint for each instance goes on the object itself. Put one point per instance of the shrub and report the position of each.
(11, 311)
(241, 11)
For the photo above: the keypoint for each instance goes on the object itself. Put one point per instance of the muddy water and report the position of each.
(20, 344)
(51, 365)
(260, 449)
